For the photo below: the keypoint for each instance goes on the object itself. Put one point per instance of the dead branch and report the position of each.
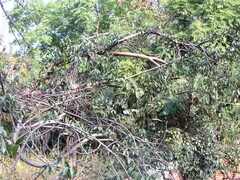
(150, 58)
(85, 54)
(129, 37)
(106, 50)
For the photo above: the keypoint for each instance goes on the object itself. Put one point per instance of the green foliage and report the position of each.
(197, 155)
(191, 105)
(7, 103)
(3, 135)
(6, 144)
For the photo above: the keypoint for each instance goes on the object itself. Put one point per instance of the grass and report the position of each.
(22, 171)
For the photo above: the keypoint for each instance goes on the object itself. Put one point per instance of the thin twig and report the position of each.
(11, 21)
(5, 164)
(13, 168)
(40, 173)
(1, 83)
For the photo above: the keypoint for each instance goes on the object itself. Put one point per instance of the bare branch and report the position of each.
(142, 72)
(100, 34)
(13, 168)
(150, 58)
(85, 54)
(130, 37)
(189, 45)
(11, 21)
(19, 3)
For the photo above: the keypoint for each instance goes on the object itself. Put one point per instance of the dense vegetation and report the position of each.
(123, 88)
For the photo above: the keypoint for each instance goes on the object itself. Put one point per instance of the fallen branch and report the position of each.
(129, 37)
(85, 54)
(106, 50)
(150, 58)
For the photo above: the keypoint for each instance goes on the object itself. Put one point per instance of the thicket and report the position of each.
(123, 89)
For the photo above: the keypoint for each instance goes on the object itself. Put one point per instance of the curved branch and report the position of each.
(114, 44)
(34, 164)
(189, 45)
(92, 137)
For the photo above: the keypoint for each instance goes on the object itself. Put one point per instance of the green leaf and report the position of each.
(21, 138)
(72, 171)
(14, 150)
(3, 146)
(66, 164)
(59, 159)
(1, 129)
(65, 171)
(48, 169)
